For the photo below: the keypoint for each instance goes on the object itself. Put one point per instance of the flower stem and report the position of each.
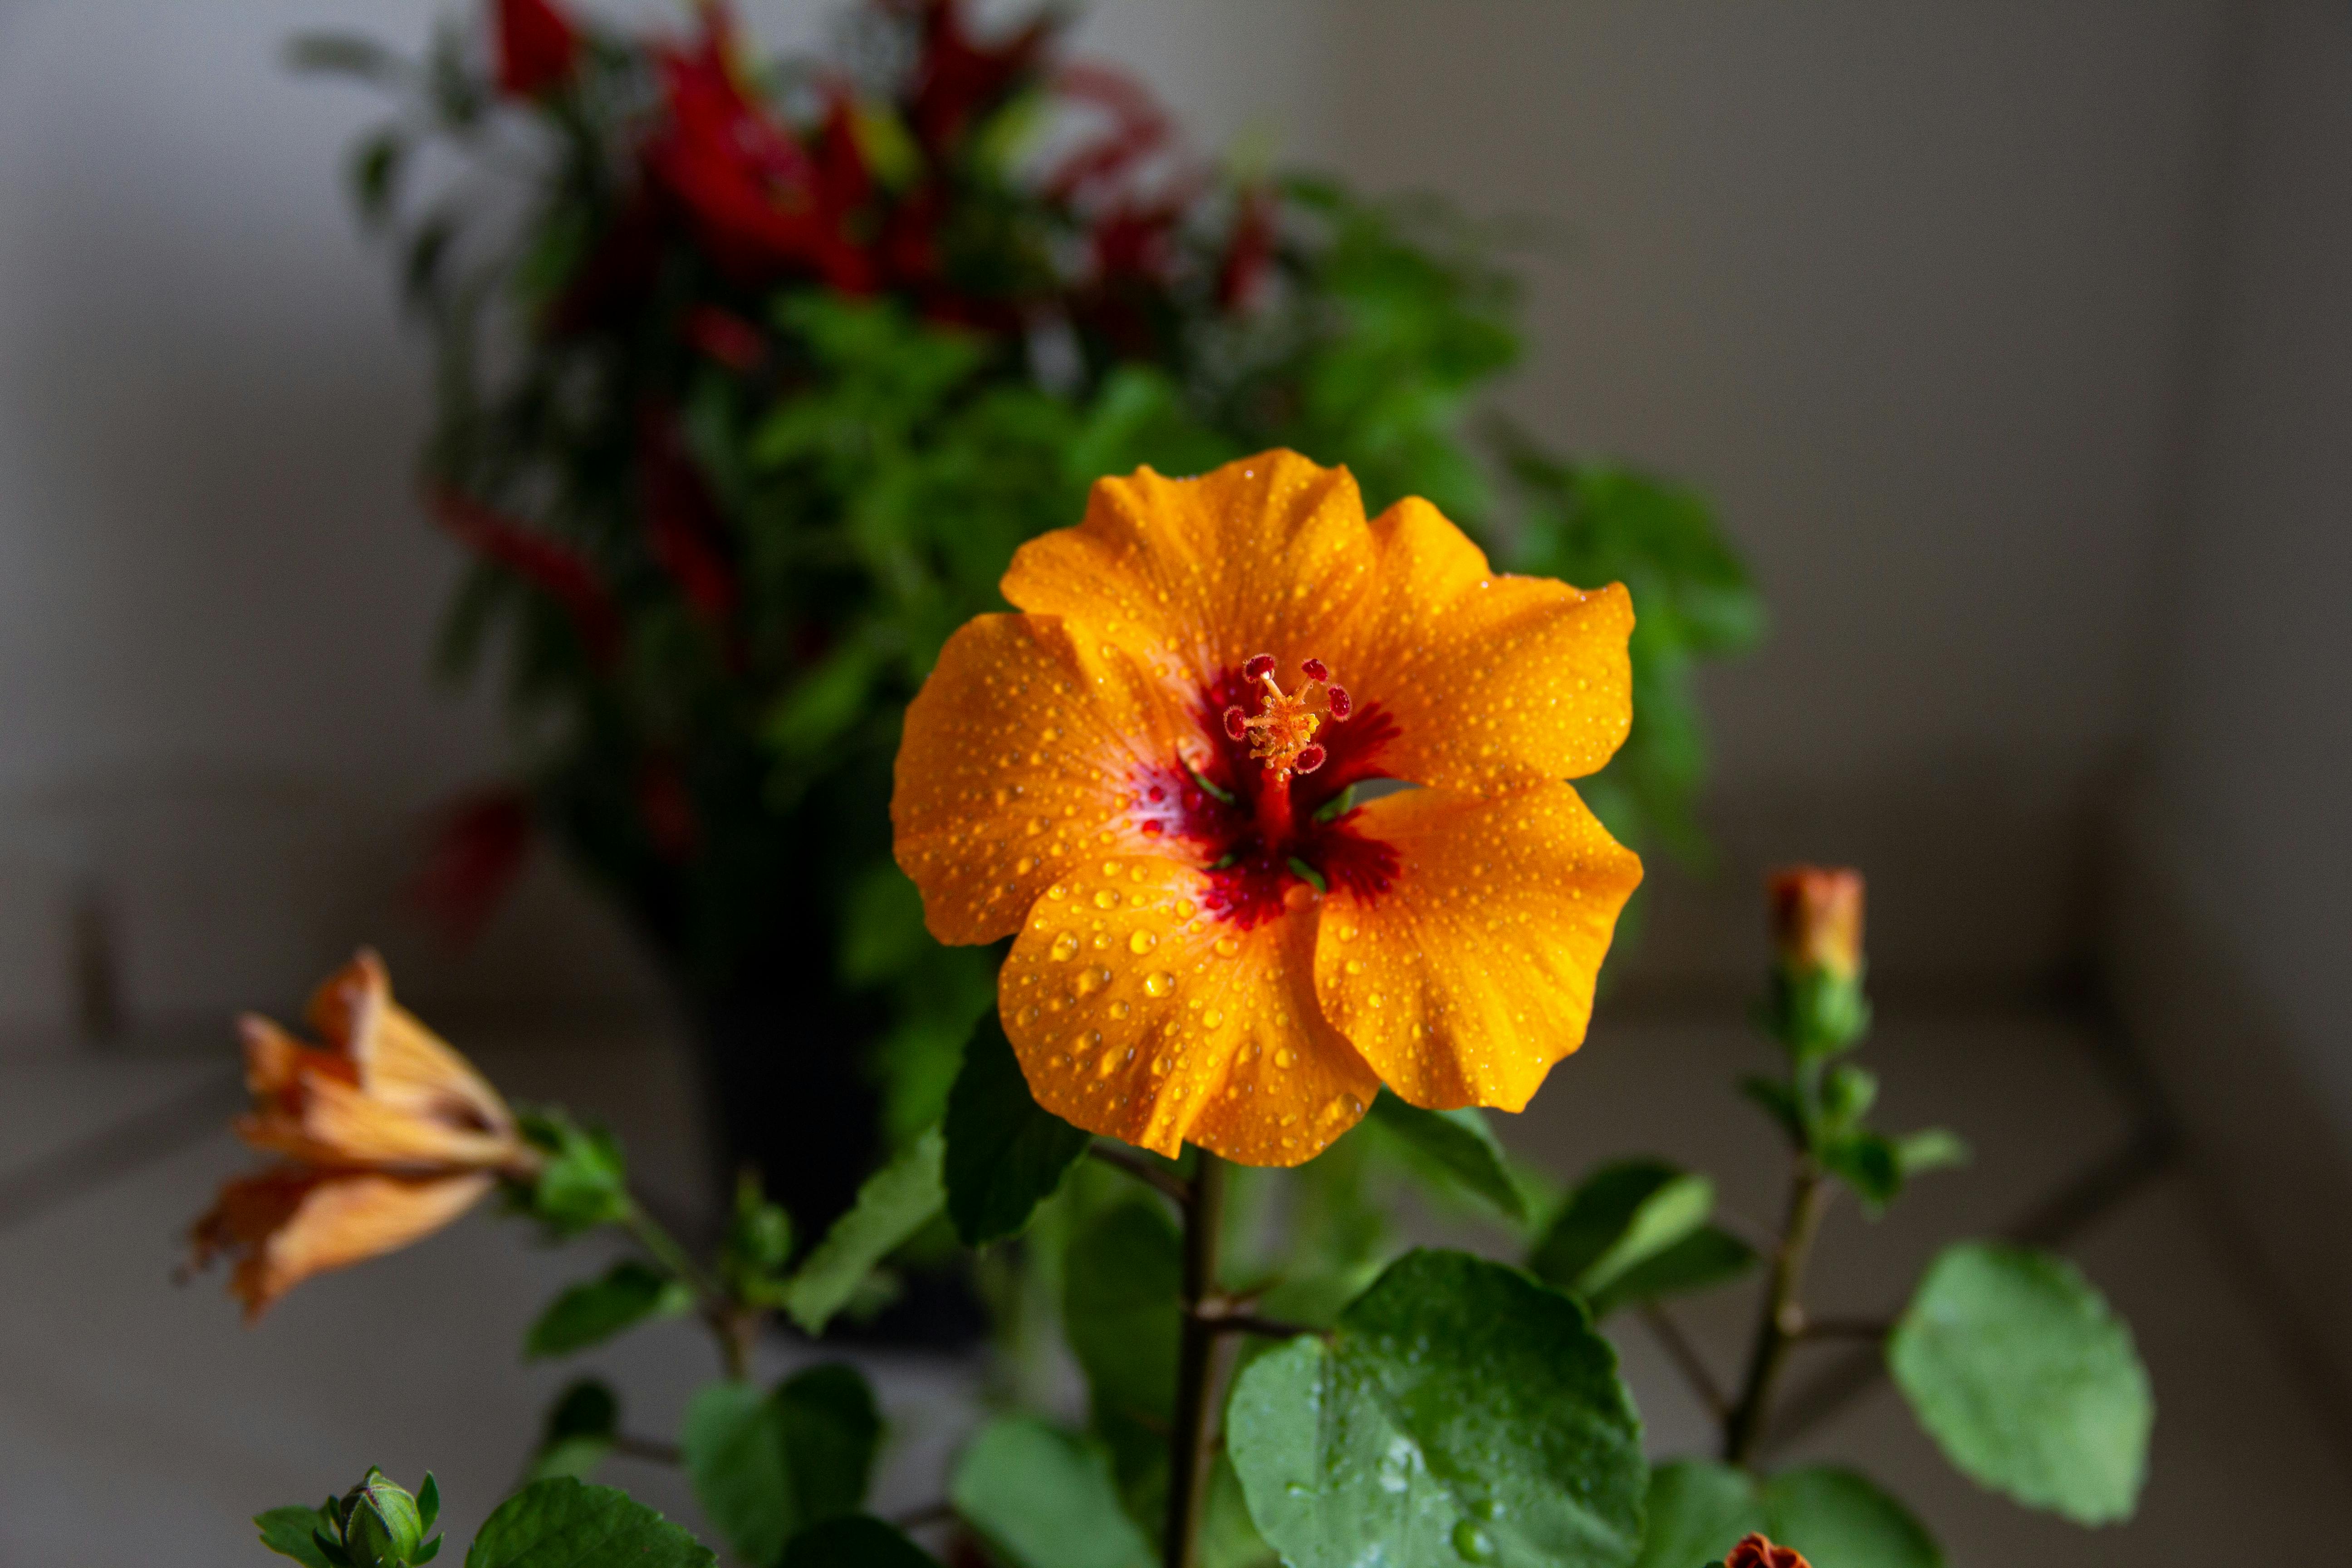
(733, 1324)
(1188, 1433)
(1743, 1430)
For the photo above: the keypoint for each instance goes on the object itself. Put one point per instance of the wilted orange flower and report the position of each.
(1817, 918)
(1147, 776)
(385, 1135)
(1755, 1552)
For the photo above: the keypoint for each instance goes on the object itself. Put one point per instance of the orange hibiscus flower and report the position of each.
(1149, 776)
(385, 1135)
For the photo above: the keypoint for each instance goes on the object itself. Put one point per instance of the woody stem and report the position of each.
(1783, 1320)
(733, 1324)
(1188, 1445)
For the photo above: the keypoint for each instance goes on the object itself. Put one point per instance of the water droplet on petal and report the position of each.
(1065, 947)
(1107, 899)
(1159, 983)
(1141, 942)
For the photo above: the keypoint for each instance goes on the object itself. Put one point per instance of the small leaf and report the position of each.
(594, 1310)
(1697, 1511)
(1044, 1498)
(564, 1524)
(1005, 1153)
(291, 1531)
(1460, 1410)
(579, 1432)
(1458, 1142)
(2027, 1380)
(896, 1201)
(1869, 1163)
(1707, 1258)
(1779, 1102)
(1933, 1149)
(583, 1182)
(855, 1541)
(765, 1467)
(1840, 1520)
(1619, 1216)
(428, 1501)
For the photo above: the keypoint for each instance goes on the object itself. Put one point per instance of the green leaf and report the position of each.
(1458, 1142)
(1005, 1153)
(1460, 1410)
(1122, 1278)
(1840, 1520)
(1779, 1102)
(592, 1312)
(1044, 1498)
(1619, 1216)
(1932, 1149)
(564, 1524)
(583, 1182)
(855, 1541)
(579, 1432)
(1707, 1258)
(1869, 1165)
(2027, 1380)
(896, 1201)
(765, 1467)
(1697, 1511)
(291, 1531)
(757, 1246)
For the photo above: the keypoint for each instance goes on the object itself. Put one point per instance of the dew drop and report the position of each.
(1058, 891)
(1026, 864)
(1474, 1543)
(1065, 947)
(1093, 980)
(1141, 942)
(1106, 898)
(1120, 1009)
(1226, 947)
(1212, 1019)
(1286, 1058)
(1354, 966)
(1159, 983)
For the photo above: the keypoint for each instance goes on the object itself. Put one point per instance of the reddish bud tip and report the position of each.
(1259, 667)
(1342, 703)
(1310, 760)
(1316, 669)
(1236, 723)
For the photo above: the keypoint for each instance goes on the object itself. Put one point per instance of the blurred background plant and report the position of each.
(752, 374)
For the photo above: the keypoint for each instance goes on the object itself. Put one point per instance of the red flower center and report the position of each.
(1271, 810)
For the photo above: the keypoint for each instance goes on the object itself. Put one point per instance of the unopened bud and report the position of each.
(1817, 918)
(1755, 1552)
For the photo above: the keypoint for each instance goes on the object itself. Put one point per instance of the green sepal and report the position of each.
(594, 1310)
(1005, 1153)
(582, 1182)
(1815, 1013)
(1459, 1410)
(1457, 1144)
(2027, 1380)
(895, 1203)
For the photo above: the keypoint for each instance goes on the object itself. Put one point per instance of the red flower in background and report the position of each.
(959, 79)
(682, 524)
(760, 203)
(538, 46)
(548, 564)
(480, 843)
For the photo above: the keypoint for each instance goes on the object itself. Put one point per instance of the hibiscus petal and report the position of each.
(1472, 973)
(1138, 1014)
(1493, 682)
(1264, 555)
(287, 1223)
(1016, 768)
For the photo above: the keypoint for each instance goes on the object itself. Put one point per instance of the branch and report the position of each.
(1251, 1323)
(1171, 1187)
(1687, 1359)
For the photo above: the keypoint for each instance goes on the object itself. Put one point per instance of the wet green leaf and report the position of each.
(895, 1203)
(1460, 1410)
(1044, 1498)
(564, 1524)
(2027, 1380)
(592, 1312)
(1458, 1142)
(767, 1465)
(1005, 1153)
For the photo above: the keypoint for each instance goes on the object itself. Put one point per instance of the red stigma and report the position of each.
(1310, 760)
(1342, 704)
(1316, 669)
(1259, 667)
(1236, 723)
